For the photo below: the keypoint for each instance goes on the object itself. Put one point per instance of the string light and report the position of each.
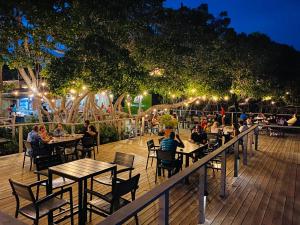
(84, 87)
(72, 91)
(45, 93)
(215, 98)
(128, 103)
(16, 93)
(197, 102)
(111, 95)
(272, 102)
(173, 96)
(43, 84)
(226, 98)
(231, 91)
(145, 93)
(204, 97)
(193, 90)
(52, 100)
(287, 93)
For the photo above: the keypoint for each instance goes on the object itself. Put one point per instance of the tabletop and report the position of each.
(189, 147)
(81, 169)
(62, 139)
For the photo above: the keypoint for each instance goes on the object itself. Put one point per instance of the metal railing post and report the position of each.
(20, 139)
(245, 146)
(236, 159)
(202, 172)
(251, 143)
(163, 217)
(256, 133)
(223, 174)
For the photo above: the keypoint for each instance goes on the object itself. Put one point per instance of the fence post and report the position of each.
(223, 174)
(13, 132)
(73, 129)
(20, 139)
(236, 159)
(143, 126)
(202, 181)
(251, 143)
(98, 129)
(163, 217)
(245, 146)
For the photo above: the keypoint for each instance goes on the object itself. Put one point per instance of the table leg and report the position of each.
(85, 201)
(49, 191)
(187, 163)
(80, 208)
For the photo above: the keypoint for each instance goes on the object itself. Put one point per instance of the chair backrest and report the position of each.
(44, 162)
(21, 190)
(26, 145)
(126, 186)
(150, 144)
(124, 159)
(87, 141)
(165, 155)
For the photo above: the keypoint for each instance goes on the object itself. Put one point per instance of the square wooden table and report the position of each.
(188, 150)
(80, 171)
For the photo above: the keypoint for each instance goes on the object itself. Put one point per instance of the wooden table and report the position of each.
(80, 171)
(9, 220)
(64, 139)
(188, 150)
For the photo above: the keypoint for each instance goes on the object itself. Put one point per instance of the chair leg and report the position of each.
(136, 219)
(156, 174)
(147, 161)
(151, 161)
(24, 159)
(31, 161)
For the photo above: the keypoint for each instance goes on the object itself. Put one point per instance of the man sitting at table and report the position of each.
(59, 131)
(33, 135)
(198, 136)
(170, 144)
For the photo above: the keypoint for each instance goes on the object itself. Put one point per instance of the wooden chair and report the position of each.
(173, 165)
(87, 147)
(27, 153)
(152, 148)
(38, 208)
(124, 163)
(110, 202)
(70, 151)
(42, 165)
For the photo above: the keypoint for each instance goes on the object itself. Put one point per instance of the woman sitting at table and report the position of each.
(44, 134)
(214, 128)
(198, 136)
(59, 131)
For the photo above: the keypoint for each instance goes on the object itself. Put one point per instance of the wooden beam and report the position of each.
(223, 174)
(163, 217)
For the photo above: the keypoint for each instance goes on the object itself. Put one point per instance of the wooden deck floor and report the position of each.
(267, 191)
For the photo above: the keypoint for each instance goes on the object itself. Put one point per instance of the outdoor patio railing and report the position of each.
(162, 191)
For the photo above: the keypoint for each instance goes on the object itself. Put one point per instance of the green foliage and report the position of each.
(108, 133)
(168, 120)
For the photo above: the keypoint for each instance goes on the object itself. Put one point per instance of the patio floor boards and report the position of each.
(267, 191)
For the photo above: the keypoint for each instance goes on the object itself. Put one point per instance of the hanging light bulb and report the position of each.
(226, 98)
(84, 87)
(72, 91)
(16, 93)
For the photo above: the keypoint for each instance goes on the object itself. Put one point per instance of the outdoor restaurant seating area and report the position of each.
(76, 191)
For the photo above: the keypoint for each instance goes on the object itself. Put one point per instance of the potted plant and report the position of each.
(169, 123)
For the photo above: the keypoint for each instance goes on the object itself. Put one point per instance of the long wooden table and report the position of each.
(80, 171)
(64, 139)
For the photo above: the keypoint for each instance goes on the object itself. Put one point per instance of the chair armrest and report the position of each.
(53, 195)
(97, 194)
(125, 170)
(42, 172)
(37, 183)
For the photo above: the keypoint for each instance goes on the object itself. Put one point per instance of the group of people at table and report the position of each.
(199, 135)
(39, 134)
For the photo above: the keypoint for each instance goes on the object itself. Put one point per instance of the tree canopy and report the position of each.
(131, 46)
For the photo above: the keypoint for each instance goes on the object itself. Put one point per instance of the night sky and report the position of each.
(279, 19)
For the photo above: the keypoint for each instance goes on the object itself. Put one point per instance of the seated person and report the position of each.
(198, 136)
(243, 116)
(243, 126)
(33, 135)
(44, 134)
(91, 132)
(214, 128)
(170, 144)
(59, 131)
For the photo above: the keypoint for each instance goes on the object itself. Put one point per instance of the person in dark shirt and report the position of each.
(198, 136)
(85, 127)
